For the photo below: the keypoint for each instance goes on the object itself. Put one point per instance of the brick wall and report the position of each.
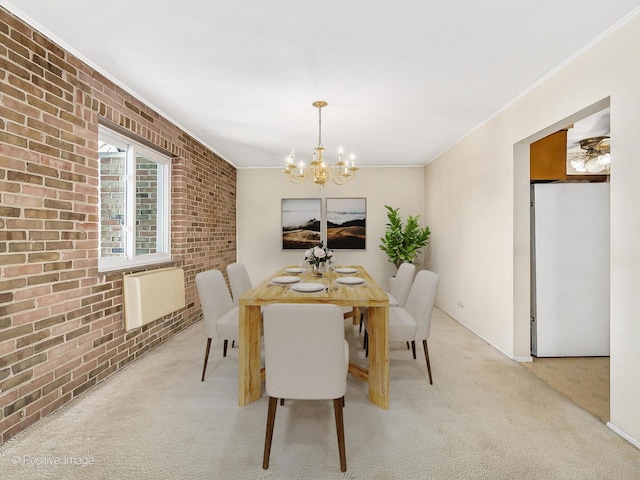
(61, 322)
(112, 206)
(146, 206)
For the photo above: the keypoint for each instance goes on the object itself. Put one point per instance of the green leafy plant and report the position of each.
(402, 243)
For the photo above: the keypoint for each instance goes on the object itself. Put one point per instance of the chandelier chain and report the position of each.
(320, 126)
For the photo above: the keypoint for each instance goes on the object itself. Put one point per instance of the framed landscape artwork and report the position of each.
(346, 223)
(301, 222)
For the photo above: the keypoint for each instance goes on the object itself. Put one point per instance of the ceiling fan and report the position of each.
(594, 156)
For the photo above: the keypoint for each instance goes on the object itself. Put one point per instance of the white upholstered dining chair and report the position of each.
(219, 313)
(239, 280)
(306, 358)
(412, 322)
(400, 287)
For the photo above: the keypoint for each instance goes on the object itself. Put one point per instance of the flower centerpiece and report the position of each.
(318, 256)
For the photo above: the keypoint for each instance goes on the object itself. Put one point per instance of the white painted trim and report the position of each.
(625, 435)
(528, 359)
(360, 167)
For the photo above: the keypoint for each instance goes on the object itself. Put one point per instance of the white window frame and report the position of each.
(163, 251)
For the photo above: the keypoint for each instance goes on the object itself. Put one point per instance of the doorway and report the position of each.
(585, 380)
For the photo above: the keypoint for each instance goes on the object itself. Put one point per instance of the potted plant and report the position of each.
(402, 243)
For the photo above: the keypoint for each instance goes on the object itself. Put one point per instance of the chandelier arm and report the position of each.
(294, 177)
(341, 175)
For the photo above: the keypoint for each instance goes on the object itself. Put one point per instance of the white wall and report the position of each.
(260, 192)
(476, 202)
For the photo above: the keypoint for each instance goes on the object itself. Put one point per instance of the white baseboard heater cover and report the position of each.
(151, 295)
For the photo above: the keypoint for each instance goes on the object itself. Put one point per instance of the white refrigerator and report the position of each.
(570, 269)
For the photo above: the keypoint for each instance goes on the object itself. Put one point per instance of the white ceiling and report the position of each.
(404, 80)
(596, 125)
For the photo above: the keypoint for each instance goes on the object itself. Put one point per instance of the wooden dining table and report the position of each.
(368, 294)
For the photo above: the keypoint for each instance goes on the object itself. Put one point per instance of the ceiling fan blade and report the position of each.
(577, 156)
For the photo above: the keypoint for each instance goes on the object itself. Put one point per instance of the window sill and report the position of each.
(139, 268)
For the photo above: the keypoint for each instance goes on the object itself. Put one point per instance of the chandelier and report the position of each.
(318, 171)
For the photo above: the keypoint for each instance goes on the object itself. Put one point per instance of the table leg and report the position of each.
(379, 356)
(249, 386)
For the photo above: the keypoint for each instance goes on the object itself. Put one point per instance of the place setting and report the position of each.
(294, 270)
(285, 280)
(346, 270)
(308, 287)
(350, 281)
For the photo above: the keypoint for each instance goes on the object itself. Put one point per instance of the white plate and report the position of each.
(346, 270)
(285, 280)
(350, 280)
(293, 270)
(308, 287)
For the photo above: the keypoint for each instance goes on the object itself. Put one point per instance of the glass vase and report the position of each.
(319, 269)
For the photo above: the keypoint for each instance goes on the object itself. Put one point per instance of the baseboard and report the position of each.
(528, 359)
(624, 435)
(506, 354)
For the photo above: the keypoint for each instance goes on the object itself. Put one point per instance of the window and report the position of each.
(134, 203)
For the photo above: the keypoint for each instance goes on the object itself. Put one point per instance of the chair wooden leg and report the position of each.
(206, 358)
(361, 322)
(426, 354)
(366, 344)
(233, 343)
(408, 346)
(337, 408)
(271, 418)
(413, 348)
(282, 401)
(224, 348)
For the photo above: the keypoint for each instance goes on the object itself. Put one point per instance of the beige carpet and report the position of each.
(485, 417)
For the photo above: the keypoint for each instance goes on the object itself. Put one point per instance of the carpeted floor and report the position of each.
(485, 417)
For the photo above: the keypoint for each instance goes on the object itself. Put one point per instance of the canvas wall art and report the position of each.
(346, 223)
(301, 222)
